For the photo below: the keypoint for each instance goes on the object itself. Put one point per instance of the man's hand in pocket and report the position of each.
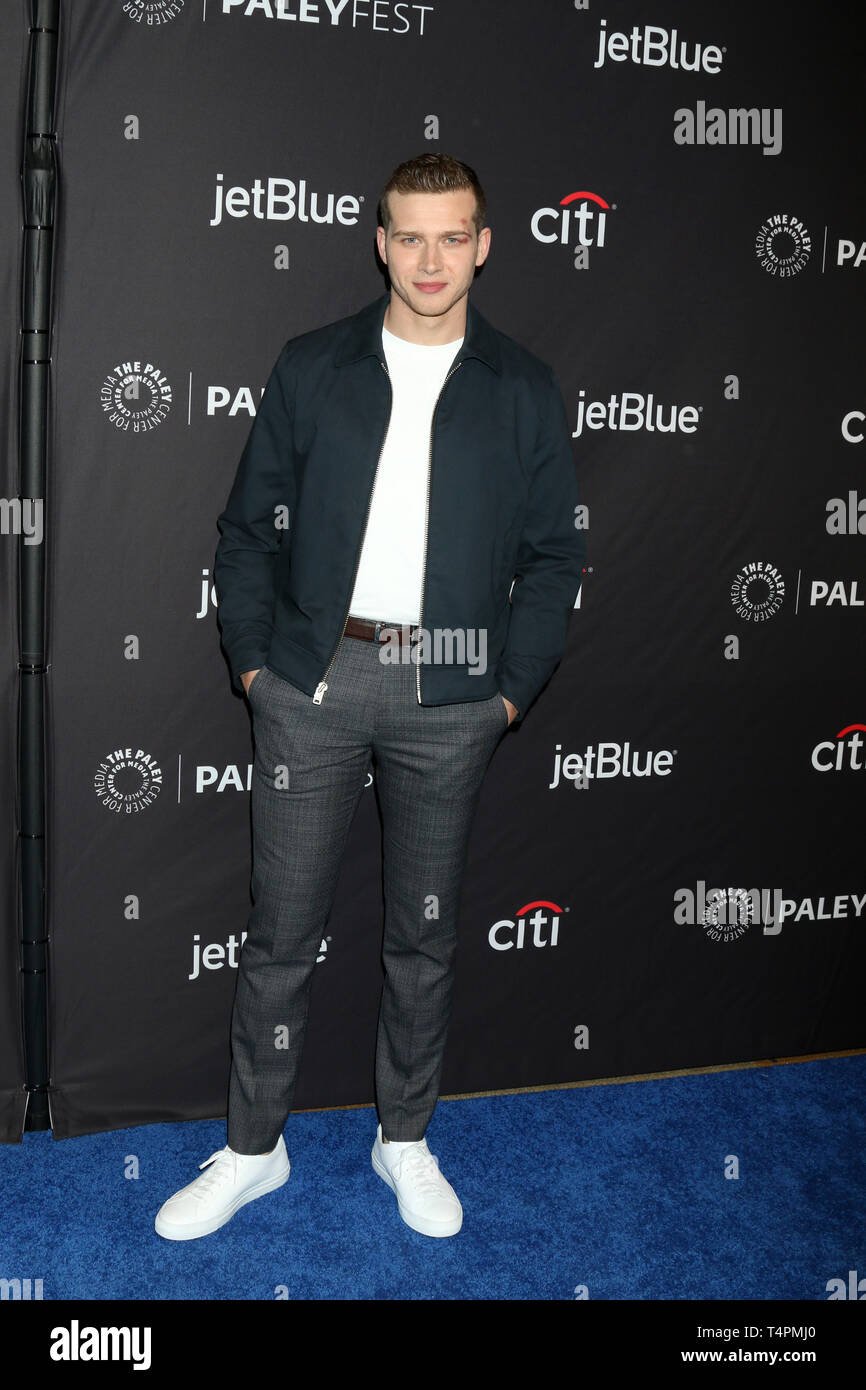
(512, 710)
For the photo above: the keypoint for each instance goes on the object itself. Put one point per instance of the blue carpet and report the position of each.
(619, 1189)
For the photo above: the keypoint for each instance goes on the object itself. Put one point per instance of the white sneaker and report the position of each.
(425, 1199)
(212, 1200)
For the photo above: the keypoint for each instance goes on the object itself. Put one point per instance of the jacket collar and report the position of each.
(363, 337)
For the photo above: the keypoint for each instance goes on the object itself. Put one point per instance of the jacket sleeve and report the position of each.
(246, 556)
(549, 564)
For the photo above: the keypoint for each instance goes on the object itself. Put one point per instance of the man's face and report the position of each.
(432, 249)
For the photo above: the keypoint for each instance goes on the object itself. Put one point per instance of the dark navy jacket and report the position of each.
(502, 552)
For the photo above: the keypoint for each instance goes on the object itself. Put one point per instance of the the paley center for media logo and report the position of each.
(783, 245)
(128, 781)
(757, 591)
(150, 13)
(726, 913)
(136, 396)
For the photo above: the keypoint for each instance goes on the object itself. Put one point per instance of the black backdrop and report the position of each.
(167, 322)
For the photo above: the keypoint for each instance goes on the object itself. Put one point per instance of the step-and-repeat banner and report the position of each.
(14, 40)
(666, 869)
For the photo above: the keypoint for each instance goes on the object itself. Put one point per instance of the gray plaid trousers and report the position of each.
(310, 766)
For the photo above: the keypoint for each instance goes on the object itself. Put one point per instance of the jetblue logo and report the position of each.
(214, 955)
(281, 200)
(654, 47)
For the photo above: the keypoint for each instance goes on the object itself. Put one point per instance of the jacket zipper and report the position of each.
(323, 683)
(427, 521)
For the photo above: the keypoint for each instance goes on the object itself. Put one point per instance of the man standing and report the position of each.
(397, 567)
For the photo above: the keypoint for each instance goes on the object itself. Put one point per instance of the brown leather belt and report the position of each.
(380, 632)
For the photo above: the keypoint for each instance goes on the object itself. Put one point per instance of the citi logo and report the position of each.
(506, 935)
(842, 754)
(632, 411)
(281, 200)
(575, 215)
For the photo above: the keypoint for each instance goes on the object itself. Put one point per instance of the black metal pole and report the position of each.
(39, 189)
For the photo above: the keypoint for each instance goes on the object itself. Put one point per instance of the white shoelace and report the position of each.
(222, 1171)
(422, 1169)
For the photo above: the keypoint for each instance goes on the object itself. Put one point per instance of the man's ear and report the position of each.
(483, 246)
(381, 242)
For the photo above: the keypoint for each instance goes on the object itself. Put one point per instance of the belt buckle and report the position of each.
(395, 627)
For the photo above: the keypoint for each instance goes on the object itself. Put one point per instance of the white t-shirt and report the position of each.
(391, 568)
